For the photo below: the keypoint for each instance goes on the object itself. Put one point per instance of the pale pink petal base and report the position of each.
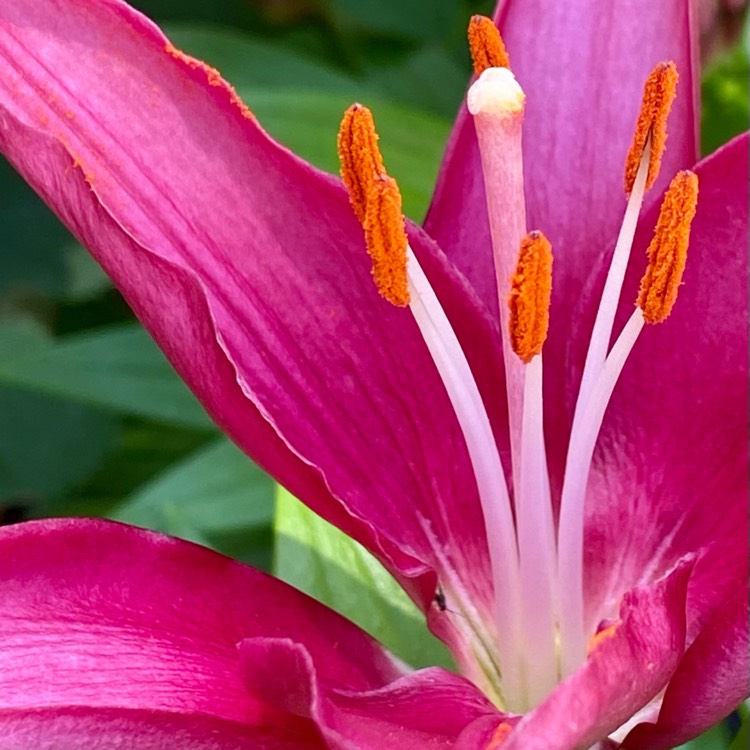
(623, 673)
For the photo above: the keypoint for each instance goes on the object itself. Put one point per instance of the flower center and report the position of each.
(537, 569)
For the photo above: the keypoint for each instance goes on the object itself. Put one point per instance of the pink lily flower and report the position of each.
(583, 556)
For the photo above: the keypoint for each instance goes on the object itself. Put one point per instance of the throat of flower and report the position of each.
(537, 570)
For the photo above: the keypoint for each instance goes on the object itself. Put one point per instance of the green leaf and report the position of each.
(741, 740)
(46, 444)
(325, 563)
(118, 368)
(307, 122)
(419, 20)
(218, 489)
(31, 258)
(725, 99)
(247, 61)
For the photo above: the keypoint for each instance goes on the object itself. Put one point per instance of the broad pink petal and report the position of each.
(249, 269)
(85, 728)
(101, 615)
(623, 673)
(711, 680)
(582, 65)
(671, 470)
(425, 709)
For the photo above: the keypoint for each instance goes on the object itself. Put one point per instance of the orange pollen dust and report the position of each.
(530, 294)
(359, 154)
(486, 45)
(386, 240)
(658, 94)
(499, 735)
(667, 252)
(603, 635)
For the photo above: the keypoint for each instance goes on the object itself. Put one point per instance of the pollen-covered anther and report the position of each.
(530, 294)
(658, 94)
(667, 252)
(486, 45)
(386, 239)
(359, 154)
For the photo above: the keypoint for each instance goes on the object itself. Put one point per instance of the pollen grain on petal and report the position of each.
(212, 76)
(386, 239)
(530, 294)
(603, 635)
(501, 733)
(658, 94)
(486, 45)
(359, 154)
(667, 252)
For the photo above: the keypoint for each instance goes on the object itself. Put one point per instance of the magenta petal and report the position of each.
(673, 448)
(249, 269)
(582, 65)
(425, 709)
(85, 728)
(711, 680)
(97, 614)
(625, 671)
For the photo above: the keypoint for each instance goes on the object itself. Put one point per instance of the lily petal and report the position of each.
(630, 665)
(425, 709)
(249, 269)
(582, 65)
(100, 615)
(711, 680)
(88, 728)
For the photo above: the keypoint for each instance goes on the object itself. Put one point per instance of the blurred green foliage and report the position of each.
(95, 422)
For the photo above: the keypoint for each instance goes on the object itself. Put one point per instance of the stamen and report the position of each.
(386, 240)
(529, 300)
(400, 279)
(455, 372)
(486, 45)
(658, 95)
(361, 161)
(667, 252)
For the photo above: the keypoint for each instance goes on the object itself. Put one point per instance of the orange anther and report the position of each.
(486, 45)
(361, 161)
(667, 252)
(386, 240)
(530, 293)
(658, 94)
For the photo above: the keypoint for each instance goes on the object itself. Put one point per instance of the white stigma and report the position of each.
(496, 92)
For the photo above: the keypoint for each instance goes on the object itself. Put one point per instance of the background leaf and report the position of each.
(320, 560)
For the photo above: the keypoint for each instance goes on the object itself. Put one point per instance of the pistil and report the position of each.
(497, 103)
